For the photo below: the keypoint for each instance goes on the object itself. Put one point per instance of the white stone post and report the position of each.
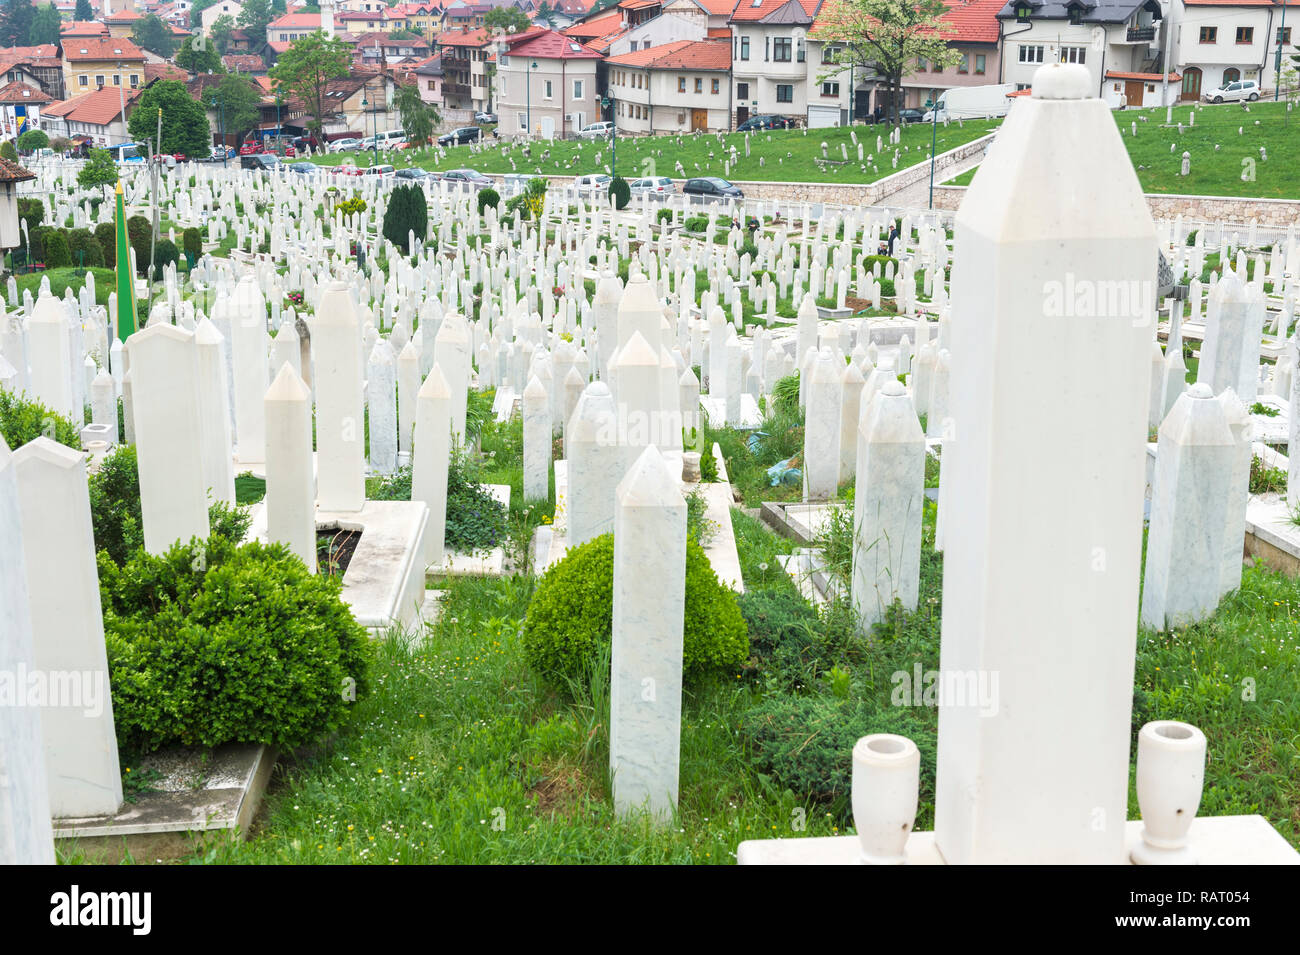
(537, 441)
(452, 353)
(290, 485)
(49, 355)
(432, 456)
(1230, 353)
(821, 442)
(1037, 378)
(340, 434)
(408, 386)
(597, 462)
(248, 346)
(216, 452)
(646, 657)
(381, 400)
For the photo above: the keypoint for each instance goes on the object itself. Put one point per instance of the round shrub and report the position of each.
(664, 216)
(571, 614)
(620, 193)
(164, 254)
(85, 249)
(192, 240)
(7, 151)
(23, 420)
(55, 246)
(138, 232)
(488, 198)
(107, 238)
(212, 643)
(33, 140)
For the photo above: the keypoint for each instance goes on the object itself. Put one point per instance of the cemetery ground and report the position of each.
(787, 155)
(1224, 142)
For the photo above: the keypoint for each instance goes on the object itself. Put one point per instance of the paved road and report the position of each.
(917, 196)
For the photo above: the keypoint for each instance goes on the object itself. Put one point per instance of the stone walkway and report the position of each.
(917, 195)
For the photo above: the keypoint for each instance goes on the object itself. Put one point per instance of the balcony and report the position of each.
(1141, 34)
(455, 89)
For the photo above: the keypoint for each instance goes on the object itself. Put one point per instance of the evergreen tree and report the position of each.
(45, 26)
(407, 211)
(84, 12)
(16, 22)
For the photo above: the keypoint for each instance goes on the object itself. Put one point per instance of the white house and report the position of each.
(678, 87)
(222, 8)
(769, 57)
(1120, 42)
(665, 28)
(1216, 42)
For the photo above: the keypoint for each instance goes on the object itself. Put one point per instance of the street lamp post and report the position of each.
(607, 102)
(279, 130)
(221, 126)
(934, 132)
(1277, 65)
(374, 130)
(528, 88)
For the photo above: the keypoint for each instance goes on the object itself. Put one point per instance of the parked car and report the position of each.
(1243, 90)
(765, 122)
(345, 145)
(593, 184)
(458, 137)
(911, 115)
(267, 162)
(658, 187)
(413, 172)
(487, 119)
(468, 177)
(595, 131)
(382, 172)
(303, 168)
(711, 187)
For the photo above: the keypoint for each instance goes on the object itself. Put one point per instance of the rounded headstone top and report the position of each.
(893, 389)
(1062, 81)
(1200, 390)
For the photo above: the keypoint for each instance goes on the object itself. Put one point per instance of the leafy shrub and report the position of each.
(212, 643)
(407, 212)
(785, 393)
(571, 614)
(192, 242)
(116, 516)
(475, 519)
(1266, 480)
(139, 231)
(164, 254)
(620, 193)
(664, 216)
(33, 140)
(23, 420)
(749, 249)
(7, 151)
(352, 206)
(106, 234)
(708, 467)
(887, 288)
(488, 199)
(54, 244)
(85, 249)
(696, 224)
(534, 196)
(31, 211)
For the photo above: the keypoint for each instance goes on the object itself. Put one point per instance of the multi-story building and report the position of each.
(98, 116)
(121, 23)
(678, 87)
(377, 48)
(284, 30)
(1216, 42)
(428, 76)
(369, 21)
(222, 8)
(468, 58)
(546, 85)
(769, 57)
(1120, 43)
(89, 64)
(976, 37)
(424, 18)
(41, 66)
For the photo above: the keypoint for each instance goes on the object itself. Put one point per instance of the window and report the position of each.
(1076, 16)
(523, 121)
(433, 84)
(681, 84)
(99, 79)
(1031, 54)
(716, 86)
(830, 54)
(577, 89)
(800, 55)
(83, 80)
(830, 89)
(979, 64)
(1231, 75)
(744, 48)
(742, 91)
(503, 60)
(781, 49)
(1283, 36)
(1072, 54)
(1245, 34)
(1022, 12)
(784, 93)
(921, 64)
(699, 85)
(117, 79)
(546, 89)
(1209, 34)
(963, 65)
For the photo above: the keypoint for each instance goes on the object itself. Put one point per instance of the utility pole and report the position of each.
(1277, 64)
(153, 184)
(1166, 29)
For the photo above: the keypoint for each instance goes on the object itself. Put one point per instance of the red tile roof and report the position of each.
(549, 45)
(83, 28)
(1153, 77)
(296, 21)
(679, 55)
(596, 26)
(164, 71)
(98, 108)
(718, 8)
(976, 20)
(719, 33)
(97, 49)
(12, 172)
(20, 92)
(746, 11)
(243, 63)
(123, 16)
(1230, 3)
(475, 38)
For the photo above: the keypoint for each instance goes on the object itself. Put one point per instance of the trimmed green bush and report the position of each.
(106, 234)
(31, 211)
(7, 151)
(664, 216)
(488, 199)
(138, 232)
(164, 254)
(192, 242)
(620, 193)
(55, 252)
(571, 614)
(212, 643)
(23, 420)
(696, 224)
(33, 140)
(85, 249)
(407, 212)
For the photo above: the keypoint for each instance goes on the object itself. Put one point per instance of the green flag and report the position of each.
(125, 280)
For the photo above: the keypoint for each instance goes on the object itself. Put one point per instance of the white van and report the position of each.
(390, 138)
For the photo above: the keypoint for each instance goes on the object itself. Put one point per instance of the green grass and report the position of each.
(62, 279)
(790, 155)
(1212, 173)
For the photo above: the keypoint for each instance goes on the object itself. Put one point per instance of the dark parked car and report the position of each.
(765, 122)
(266, 161)
(911, 115)
(414, 172)
(469, 177)
(457, 137)
(711, 187)
(302, 168)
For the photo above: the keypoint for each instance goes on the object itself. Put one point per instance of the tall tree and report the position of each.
(255, 16)
(99, 170)
(418, 117)
(306, 69)
(16, 22)
(505, 20)
(185, 123)
(45, 26)
(200, 58)
(84, 11)
(546, 14)
(152, 34)
(891, 35)
(219, 34)
(239, 102)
